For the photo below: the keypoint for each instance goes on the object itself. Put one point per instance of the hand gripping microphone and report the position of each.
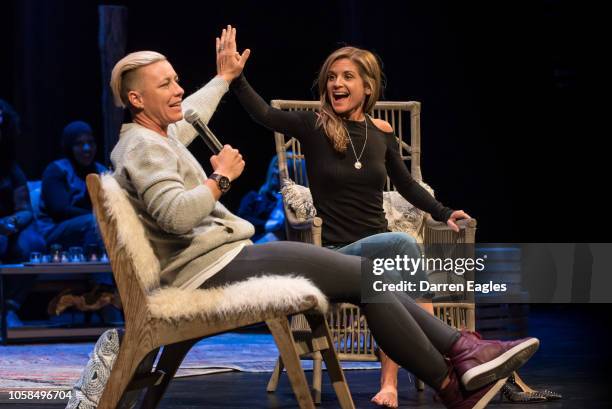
(204, 131)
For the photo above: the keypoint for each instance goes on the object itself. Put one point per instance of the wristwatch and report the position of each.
(223, 182)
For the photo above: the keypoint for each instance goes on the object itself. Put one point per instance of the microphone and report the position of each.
(204, 131)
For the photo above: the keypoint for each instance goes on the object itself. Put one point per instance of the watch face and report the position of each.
(224, 183)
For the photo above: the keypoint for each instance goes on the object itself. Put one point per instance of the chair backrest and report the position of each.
(404, 117)
(135, 267)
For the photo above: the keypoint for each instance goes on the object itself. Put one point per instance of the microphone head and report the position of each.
(191, 116)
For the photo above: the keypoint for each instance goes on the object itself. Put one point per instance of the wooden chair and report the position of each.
(195, 314)
(352, 338)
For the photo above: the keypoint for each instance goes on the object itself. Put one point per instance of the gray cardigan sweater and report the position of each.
(193, 235)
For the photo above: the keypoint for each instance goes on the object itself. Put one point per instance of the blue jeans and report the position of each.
(79, 231)
(389, 245)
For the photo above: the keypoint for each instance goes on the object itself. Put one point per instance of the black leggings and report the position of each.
(413, 338)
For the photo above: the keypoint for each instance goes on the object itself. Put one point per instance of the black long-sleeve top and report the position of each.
(349, 200)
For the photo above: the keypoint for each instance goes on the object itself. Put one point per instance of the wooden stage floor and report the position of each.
(573, 360)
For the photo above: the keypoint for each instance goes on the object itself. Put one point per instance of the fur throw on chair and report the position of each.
(402, 215)
(298, 199)
(253, 296)
(131, 233)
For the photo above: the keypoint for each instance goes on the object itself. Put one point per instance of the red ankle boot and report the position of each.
(480, 362)
(453, 396)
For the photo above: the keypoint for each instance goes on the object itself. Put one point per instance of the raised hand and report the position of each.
(230, 62)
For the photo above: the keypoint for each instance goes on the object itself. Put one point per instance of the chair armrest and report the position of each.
(307, 231)
(300, 224)
(463, 224)
(438, 232)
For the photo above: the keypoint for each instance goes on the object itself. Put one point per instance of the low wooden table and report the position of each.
(25, 333)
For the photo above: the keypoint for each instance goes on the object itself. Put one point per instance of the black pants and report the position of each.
(408, 334)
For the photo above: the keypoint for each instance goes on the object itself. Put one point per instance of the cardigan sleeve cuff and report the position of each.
(204, 102)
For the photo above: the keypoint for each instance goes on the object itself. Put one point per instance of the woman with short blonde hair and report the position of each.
(124, 75)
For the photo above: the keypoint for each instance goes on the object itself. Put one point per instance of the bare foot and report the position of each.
(386, 396)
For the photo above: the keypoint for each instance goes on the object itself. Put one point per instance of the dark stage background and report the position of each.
(507, 121)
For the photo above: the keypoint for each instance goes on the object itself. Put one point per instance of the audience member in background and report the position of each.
(66, 212)
(264, 209)
(18, 234)
(66, 215)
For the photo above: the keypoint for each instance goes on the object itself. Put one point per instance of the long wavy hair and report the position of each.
(370, 71)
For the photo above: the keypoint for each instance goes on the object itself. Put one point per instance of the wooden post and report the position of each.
(112, 39)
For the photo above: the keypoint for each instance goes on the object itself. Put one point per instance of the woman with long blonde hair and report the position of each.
(350, 154)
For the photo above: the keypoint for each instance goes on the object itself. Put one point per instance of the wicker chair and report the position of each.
(175, 319)
(349, 329)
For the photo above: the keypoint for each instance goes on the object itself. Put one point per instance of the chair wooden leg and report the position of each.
(321, 330)
(317, 377)
(521, 384)
(145, 367)
(279, 327)
(169, 362)
(131, 354)
(276, 374)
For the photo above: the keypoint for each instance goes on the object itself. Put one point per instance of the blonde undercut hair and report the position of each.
(123, 75)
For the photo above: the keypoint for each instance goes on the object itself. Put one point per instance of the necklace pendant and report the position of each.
(357, 165)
